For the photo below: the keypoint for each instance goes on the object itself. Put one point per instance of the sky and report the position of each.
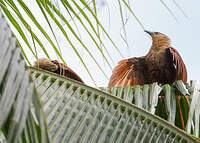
(182, 28)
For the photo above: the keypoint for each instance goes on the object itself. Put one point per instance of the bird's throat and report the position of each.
(160, 44)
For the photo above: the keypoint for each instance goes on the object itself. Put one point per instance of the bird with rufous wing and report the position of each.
(162, 64)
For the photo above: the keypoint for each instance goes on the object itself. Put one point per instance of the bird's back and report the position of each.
(58, 68)
(66, 71)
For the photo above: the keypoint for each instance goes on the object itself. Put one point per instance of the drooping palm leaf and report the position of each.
(16, 92)
(54, 17)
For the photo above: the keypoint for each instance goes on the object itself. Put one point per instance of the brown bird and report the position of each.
(58, 68)
(162, 64)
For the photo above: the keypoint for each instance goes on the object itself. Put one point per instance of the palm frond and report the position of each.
(16, 93)
(76, 112)
(173, 103)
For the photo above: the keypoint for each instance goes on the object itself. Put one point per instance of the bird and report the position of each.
(162, 64)
(58, 68)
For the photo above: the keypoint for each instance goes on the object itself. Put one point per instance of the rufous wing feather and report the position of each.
(127, 72)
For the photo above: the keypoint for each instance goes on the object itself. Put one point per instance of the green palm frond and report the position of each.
(155, 99)
(76, 112)
(175, 103)
(16, 91)
(15, 12)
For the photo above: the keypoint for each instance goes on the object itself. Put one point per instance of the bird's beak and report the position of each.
(149, 32)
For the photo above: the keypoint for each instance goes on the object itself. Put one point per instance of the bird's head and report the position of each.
(159, 39)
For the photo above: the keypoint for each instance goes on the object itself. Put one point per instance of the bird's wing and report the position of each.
(177, 64)
(127, 72)
(66, 71)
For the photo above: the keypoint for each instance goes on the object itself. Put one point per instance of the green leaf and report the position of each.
(193, 108)
(16, 89)
(154, 92)
(170, 103)
(90, 115)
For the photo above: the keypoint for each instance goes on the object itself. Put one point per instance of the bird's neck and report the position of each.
(160, 44)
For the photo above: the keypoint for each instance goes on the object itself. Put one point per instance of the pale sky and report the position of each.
(184, 34)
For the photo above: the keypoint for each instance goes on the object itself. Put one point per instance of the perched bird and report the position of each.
(162, 64)
(58, 68)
